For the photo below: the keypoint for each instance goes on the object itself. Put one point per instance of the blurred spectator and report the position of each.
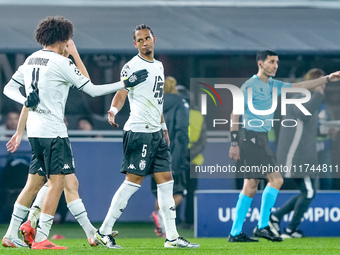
(176, 114)
(324, 146)
(12, 120)
(11, 123)
(184, 92)
(14, 174)
(197, 141)
(85, 123)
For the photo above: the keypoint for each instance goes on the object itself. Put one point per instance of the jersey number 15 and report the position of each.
(158, 87)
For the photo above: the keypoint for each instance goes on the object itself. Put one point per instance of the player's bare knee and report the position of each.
(31, 190)
(163, 177)
(276, 182)
(249, 192)
(56, 185)
(250, 187)
(134, 178)
(33, 187)
(71, 185)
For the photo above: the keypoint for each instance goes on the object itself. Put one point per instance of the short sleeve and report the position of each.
(244, 89)
(281, 84)
(73, 75)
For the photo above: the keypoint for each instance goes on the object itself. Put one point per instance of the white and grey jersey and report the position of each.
(53, 74)
(146, 99)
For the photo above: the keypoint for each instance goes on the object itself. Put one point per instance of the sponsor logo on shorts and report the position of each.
(131, 166)
(66, 166)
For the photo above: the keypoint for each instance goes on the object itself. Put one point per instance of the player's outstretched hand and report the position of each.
(33, 98)
(334, 76)
(111, 119)
(14, 143)
(136, 78)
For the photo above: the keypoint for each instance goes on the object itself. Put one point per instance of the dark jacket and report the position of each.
(176, 114)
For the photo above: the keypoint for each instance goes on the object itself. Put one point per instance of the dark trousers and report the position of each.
(191, 187)
(298, 203)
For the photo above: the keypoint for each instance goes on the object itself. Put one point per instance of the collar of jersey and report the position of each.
(145, 59)
(269, 80)
(49, 51)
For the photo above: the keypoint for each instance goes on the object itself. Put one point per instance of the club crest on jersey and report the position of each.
(142, 164)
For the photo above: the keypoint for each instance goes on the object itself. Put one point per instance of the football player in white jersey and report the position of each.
(49, 74)
(74, 203)
(145, 141)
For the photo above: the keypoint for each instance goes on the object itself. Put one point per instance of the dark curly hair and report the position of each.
(140, 27)
(52, 30)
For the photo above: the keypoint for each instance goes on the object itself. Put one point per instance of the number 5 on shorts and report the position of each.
(144, 150)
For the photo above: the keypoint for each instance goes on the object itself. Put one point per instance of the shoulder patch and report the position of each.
(123, 73)
(76, 70)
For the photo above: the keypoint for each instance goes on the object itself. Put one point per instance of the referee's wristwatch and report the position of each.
(234, 144)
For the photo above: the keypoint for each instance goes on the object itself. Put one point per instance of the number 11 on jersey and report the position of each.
(35, 78)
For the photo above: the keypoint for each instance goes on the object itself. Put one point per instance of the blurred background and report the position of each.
(194, 39)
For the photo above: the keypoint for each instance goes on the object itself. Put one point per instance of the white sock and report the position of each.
(167, 208)
(118, 204)
(35, 209)
(161, 222)
(44, 227)
(18, 215)
(78, 210)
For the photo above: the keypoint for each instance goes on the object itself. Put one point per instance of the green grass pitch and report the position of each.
(139, 238)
